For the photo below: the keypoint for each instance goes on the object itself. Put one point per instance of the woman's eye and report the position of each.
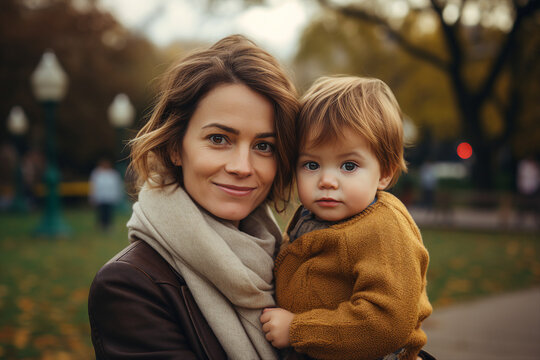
(349, 166)
(311, 165)
(217, 139)
(265, 147)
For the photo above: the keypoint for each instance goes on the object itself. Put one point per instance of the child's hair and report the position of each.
(232, 60)
(334, 105)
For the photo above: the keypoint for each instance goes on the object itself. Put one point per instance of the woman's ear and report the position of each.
(176, 158)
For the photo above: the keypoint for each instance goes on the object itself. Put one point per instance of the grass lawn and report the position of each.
(44, 283)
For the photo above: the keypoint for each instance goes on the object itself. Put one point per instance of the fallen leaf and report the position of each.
(457, 263)
(80, 295)
(459, 285)
(512, 248)
(20, 338)
(25, 304)
(45, 341)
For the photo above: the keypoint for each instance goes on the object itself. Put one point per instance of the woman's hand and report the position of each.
(276, 323)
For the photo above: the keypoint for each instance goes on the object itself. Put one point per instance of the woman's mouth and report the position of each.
(235, 190)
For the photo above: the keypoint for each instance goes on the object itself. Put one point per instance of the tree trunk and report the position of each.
(482, 171)
(469, 105)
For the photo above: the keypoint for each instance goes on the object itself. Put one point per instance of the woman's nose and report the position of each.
(328, 180)
(240, 162)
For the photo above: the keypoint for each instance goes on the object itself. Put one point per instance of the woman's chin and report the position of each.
(233, 214)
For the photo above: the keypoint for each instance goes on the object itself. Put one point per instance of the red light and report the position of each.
(464, 150)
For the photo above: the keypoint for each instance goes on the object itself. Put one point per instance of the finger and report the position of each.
(267, 309)
(264, 318)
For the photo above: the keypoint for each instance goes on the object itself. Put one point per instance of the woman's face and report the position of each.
(227, 154)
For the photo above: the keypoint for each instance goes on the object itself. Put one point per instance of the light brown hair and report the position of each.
(333, 105)
(232, 60)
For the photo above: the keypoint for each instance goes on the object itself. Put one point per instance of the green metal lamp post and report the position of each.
(121, 114)
(17, 125)
(49, 84)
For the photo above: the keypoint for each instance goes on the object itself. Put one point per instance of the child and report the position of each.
(351, 282)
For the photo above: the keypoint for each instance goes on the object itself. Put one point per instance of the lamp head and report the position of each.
(49, 81)
(121, 112)
(17, 123)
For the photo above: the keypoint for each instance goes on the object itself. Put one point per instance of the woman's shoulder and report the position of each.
(136, 262)
(139, 287)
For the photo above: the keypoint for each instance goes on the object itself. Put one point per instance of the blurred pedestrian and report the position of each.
(106, 191)
(33, 166)
(428, 182)
(528, 186)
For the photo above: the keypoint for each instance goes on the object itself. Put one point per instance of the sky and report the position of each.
(276, 26)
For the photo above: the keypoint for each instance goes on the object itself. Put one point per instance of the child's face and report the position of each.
(340, 178)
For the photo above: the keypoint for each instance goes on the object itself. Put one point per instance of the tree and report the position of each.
(101, 59)
(497, 86)
(334, 44)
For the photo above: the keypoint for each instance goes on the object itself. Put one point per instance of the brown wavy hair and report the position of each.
(367, 106)
(232, 60)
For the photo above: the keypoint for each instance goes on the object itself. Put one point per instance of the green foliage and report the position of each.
(465, 265)
(335, 44)
(453, 78)
(44, 286)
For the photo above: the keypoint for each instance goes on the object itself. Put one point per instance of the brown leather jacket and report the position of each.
(140, 308)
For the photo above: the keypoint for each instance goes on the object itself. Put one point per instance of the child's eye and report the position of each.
(265, 147)
(349, 166)
(217, 139)
(311, 165)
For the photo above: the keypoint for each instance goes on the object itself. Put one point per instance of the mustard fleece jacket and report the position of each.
(358, 288)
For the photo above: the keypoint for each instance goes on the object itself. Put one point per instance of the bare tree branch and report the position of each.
(469, 100)
(416, 51)
(505, 50)
(455, 65)
(450, 35)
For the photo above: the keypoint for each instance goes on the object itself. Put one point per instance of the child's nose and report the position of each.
(328, 180)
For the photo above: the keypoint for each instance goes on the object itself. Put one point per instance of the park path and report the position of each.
(503, 327)
(477, 219)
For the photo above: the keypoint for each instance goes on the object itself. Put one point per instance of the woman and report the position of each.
(198, 272)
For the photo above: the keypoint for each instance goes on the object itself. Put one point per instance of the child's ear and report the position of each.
(384, 181)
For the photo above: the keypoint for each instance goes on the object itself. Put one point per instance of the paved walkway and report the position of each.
(477, 219)
(504, 327)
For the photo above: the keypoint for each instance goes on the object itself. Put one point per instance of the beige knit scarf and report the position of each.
(228, 271)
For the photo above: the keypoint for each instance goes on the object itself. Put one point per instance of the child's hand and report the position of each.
(276, 323)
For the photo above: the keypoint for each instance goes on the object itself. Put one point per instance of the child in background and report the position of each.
(351, 281)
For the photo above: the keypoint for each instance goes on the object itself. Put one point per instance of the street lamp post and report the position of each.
(121, 114)
(49, 84)
(17, 125)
